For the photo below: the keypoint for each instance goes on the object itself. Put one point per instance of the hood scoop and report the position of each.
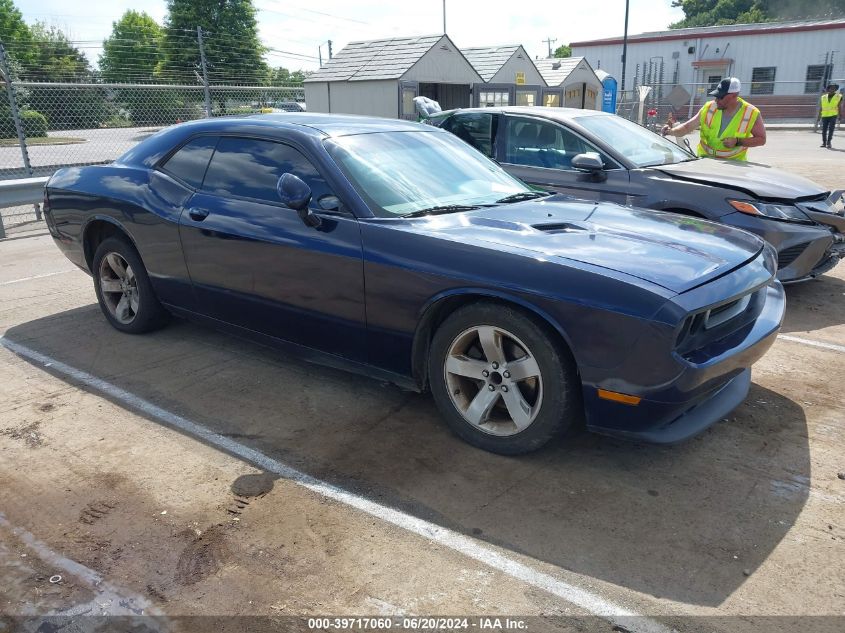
(558, 227)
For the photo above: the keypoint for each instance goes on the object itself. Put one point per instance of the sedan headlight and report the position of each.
(772, 210)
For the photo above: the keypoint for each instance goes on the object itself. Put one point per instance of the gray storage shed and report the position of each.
(510, 77)
(575, 78)
(381, 77)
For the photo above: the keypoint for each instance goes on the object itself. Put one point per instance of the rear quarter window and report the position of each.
(189, 163)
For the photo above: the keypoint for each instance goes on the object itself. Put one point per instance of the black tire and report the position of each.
(553, 397)
(145, 312)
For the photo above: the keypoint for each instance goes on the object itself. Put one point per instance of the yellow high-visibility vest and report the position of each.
(830, 107)
(710, 119)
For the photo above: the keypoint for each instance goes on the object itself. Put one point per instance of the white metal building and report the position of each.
(381, 77)
(787, 62)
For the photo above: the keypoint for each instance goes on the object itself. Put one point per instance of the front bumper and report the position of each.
(804, 250)
(699, 395)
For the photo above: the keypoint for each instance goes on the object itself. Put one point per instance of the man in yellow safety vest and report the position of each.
(830, 107)
(728, 125)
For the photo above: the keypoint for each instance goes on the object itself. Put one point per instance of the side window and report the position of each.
(250, 168)
(536, 143)
(189, 163)
(474, 128)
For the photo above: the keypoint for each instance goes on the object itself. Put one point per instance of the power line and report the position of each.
(329, 15)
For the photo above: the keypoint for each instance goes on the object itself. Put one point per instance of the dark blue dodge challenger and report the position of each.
(396, 250)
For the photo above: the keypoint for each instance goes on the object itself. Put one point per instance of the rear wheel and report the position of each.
(123, 288)
(502, 383)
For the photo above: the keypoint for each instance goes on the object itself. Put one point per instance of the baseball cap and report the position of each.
(728, 85)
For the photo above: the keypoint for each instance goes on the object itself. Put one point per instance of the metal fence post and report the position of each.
(13, 108)
(204, 74)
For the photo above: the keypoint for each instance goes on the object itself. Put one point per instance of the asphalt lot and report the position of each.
(98, 146)
(188, 473)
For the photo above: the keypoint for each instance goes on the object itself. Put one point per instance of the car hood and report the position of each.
(675, 252)
(758, 180)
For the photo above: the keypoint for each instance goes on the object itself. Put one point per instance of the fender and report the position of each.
(429, 312)
(89, 256)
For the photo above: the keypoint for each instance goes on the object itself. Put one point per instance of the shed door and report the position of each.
(407, 91)
(552, 97)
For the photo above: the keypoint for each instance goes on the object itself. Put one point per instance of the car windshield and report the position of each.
(639, 145)
(400, 173)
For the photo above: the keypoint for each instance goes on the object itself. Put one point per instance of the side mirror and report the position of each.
(296, 195)
(589, 162)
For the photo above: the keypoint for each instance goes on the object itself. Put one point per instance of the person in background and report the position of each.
(830, 107)
(729, 125)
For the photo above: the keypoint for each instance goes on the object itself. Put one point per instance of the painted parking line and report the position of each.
(472, 548)
(109, 599)
(17, 281)
(811, 343)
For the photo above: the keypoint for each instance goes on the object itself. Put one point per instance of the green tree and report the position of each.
(563, 51)
(15, 34)
(58, 60)
(281, 76)
(233, 51)
(133, 51)
(716, 12)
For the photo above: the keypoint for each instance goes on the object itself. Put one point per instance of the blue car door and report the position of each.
(255, 264)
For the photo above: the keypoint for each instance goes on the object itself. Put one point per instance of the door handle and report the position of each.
(198, 214)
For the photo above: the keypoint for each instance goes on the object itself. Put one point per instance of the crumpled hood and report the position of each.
(675, 252)
(761, 181)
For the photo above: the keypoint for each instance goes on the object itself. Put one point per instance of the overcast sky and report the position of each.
(301, 26)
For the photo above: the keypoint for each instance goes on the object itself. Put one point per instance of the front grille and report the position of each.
(710, 331)
(789, 255)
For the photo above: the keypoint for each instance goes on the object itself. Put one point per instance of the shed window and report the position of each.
(763, 80)
(494, 98)
(526, 98)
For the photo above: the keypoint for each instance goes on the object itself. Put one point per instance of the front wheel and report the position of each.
(123, 288)
(501, 381)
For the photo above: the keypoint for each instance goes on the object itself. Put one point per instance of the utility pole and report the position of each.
(204, 74)
(624, 46)
(330, 49)
(444, 17)
(550, 41)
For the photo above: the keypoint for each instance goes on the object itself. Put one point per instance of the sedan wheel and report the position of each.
(502, 379)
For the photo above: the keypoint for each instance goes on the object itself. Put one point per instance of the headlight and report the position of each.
(771, 210)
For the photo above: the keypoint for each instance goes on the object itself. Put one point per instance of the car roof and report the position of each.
(315, 123)
(559, 114)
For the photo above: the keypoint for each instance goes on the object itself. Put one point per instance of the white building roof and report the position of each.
(488, 60)
(725, 29)
(375, 59)
(556, 69)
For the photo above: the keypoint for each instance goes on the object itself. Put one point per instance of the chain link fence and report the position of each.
(780, 102)
(66, 124)
(86, 120)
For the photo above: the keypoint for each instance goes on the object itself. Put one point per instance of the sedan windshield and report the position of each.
(402, 173)
(639, 145)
